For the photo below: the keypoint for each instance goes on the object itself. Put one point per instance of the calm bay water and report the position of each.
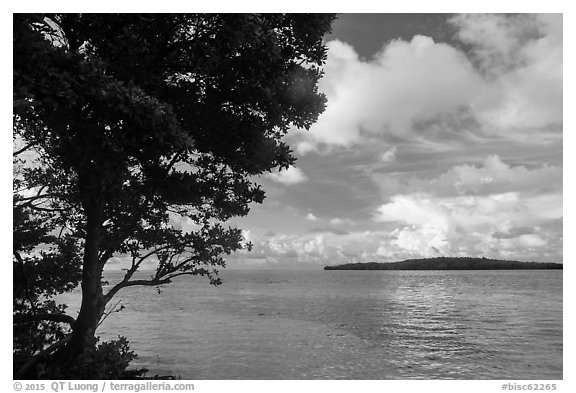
(348, 325)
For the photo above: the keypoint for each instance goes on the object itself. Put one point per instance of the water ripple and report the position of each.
(349, 325)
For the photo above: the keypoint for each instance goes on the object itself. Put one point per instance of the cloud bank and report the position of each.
(450, 149)
(490, 209)
(507, 82)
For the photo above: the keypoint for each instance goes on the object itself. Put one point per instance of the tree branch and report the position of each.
(38, 196)
(23, 318)
(17, 152)
(191, 273)
(29, 365)
(176, 267)
(44, 209)
(174, 160)
(125, 284)
(110, 312)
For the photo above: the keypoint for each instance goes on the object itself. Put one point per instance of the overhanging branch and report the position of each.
(24, 318)
(125, 284)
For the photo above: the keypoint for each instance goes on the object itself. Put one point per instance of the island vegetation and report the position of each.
(447, 263)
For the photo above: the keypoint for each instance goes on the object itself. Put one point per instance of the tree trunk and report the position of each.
(92, 307)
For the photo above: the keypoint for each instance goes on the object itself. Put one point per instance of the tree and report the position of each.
(37, 276)
(140, 121)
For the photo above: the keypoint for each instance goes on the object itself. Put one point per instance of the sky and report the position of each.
(442, 136)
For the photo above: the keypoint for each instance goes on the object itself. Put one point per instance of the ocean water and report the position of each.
(347, 325)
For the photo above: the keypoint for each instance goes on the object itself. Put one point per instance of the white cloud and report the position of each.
(247, 235)
(494, 175)
(426, 241)
(183, 223)
(504, 87)
(509, 82)
(522, 58)
(384, 252)
(407, 81)
(494, 208)
(293, 248)
(428, 225)
(318, 249)
(311, 217)
(491, 175)
(389, 155)
(487, 208)
(417, 209)
(289, 176)
(305, 147)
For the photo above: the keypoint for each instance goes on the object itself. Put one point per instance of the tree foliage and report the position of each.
(44, 264)
(151, 132)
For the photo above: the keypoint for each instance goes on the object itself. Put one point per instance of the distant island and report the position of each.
(447, 263)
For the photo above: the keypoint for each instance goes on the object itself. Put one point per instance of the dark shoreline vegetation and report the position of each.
(448, 263)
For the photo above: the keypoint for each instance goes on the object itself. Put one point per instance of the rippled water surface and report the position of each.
(348, 324)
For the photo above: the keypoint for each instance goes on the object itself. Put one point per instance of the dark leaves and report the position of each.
(165, 121)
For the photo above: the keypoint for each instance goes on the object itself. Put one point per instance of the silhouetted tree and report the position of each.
(142, 122)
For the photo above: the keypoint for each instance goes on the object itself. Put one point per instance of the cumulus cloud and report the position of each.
(311, 217)
(289, 176)
(493, 208)
(407, 81)
(490, 175)
(434, 215)
(510, 80)
(499, 89)
(521, 55)
(389, 155)
(286, 248)
(317, 249)
(494, 175)
(488, 207)
(430, 225)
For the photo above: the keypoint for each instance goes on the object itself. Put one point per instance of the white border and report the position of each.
(356, 6)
